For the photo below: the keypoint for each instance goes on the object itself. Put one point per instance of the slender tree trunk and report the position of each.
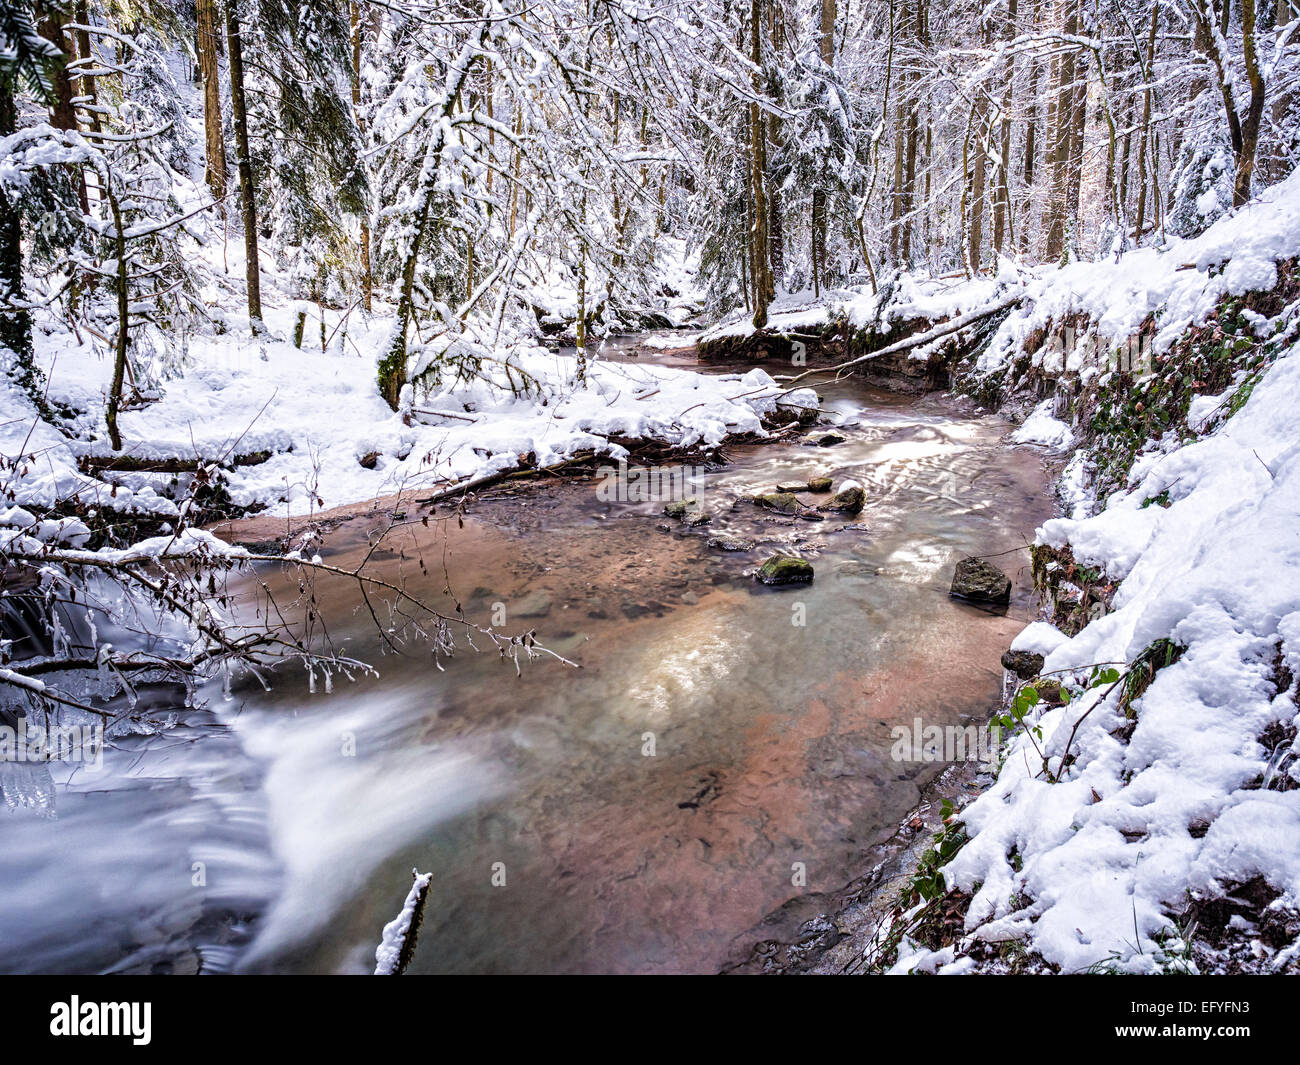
(979, 131)
(15, 324)
(1002, 193)
(88, 92)
(244, 160)
(367, 276)
(123, 338)
(762, 268)
(1063, 109)
(1031, 141)
(826, 46)
(1144, 139)
(1250, 122)
(210, 74)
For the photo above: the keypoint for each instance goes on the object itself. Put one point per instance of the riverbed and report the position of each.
(723, 748)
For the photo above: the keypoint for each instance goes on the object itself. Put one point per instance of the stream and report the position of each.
(724, 747)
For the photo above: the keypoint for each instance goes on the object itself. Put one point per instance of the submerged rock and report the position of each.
(686, 510)
(785, 569)
(981, 582)
(781, 502)
(830, 439)
(1024, 664)
(848, 500)
(534, 605)
(730, 543)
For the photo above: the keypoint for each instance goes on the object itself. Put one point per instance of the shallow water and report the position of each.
(769, 712)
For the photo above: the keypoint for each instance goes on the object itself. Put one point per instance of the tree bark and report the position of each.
(1062, 133)
(244, 159)
(1250, 122)
(1002, 191)
(16, 324)
(762, 262)
(367, 275)
(214, 170)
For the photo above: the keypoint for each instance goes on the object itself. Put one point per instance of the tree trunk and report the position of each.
(1031, 142)
(16, 324)
(123, 339)
(1250, 122)
(1002, 191)
(826, 45)
(1144, 139)
(244, 159)
(91, 104)
(210, 74)
(1062, 135)
(367, 276)
(63, 114)
(762, 263)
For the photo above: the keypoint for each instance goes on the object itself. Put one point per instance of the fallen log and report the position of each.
(954, 325)
(96, 464)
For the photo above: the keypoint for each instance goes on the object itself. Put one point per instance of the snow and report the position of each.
(319, 413)
(389, 951)
(1043, 429)
(1039, 638)
(1183, 280)
(1106, 853)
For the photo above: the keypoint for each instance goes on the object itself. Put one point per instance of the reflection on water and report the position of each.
(637, 814)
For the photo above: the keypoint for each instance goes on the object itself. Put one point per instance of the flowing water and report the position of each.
(724, 747)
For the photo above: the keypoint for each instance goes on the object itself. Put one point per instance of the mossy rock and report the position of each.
(679, 508)
(785, 569)
(781, 502)
(980, 582)
(1024, 664)
(730, 543)
(819, 484)
(847, 501)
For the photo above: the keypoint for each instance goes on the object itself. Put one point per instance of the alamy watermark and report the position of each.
(648, 484)
(920, 742)
(1132, 355)
(30, 742)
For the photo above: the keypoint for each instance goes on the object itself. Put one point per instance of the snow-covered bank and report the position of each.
(1199, 794)
(326, 436)
(1152, 822)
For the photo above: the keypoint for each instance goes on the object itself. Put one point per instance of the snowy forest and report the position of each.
(747, 485)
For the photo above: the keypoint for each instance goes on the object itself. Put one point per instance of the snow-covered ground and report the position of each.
(319, 414)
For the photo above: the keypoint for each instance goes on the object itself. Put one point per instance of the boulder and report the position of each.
(730, 543)
(980, 582)
(848, 500)
(785, 569)
(1024, 664)
(781, 502)
(819, 484)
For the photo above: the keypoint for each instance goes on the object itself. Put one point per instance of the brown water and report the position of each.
(769, 710)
